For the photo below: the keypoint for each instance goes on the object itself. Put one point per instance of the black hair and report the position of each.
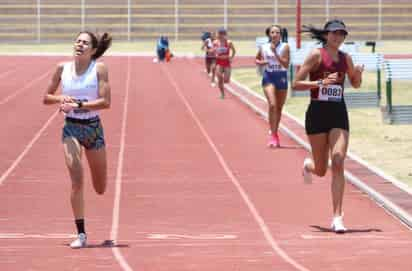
(319, 34)
(206, 35)
(267, 31)
(102, 43)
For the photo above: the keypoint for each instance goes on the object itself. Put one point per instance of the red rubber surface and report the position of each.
(179, 209)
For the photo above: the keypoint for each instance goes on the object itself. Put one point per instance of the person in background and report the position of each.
(210, 55)
(162, 49)
(225, 52)
(274, 57)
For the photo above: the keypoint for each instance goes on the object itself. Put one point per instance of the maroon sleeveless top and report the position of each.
(326, 67)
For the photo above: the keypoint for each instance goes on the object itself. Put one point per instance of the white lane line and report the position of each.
(119, 174)
(4, 74)
(207, 236)
(263, 227)
(16, 162)
(36, 236)
(343, 237)
(25, 87)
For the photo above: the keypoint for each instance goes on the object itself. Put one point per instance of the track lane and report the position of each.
(298, 215)
(179, 210)
(22, 73)
(24, 115)
(36, 220)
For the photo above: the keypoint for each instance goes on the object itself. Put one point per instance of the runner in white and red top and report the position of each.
(225, 52)
(210, 57)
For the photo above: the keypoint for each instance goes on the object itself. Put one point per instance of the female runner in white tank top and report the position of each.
(274, 56)
(85, 89)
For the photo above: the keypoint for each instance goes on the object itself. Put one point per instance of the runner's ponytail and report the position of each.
(104, 43)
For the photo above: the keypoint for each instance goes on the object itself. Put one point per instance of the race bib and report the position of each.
(330, 93)
(273, 67)
(221, 50)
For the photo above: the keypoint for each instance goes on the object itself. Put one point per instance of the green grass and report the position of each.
(385, 146)
(244, 47)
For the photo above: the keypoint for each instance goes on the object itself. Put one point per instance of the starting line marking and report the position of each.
(163, 236)
(36, 236)
(343, 236)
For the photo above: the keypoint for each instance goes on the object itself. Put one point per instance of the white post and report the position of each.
(225, 14)
(38, 21)
(83, 13)
(327, 11)
(275, 12)
(176, 20)
(129, 19)
(379, 19)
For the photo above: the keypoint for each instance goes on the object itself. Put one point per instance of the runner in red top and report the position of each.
(225, 52)
(327, 123)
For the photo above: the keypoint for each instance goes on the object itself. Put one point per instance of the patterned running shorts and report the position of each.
(88, 132)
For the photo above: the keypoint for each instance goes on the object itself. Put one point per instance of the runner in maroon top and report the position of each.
(225, 52)
(327, 123)
(210, 57)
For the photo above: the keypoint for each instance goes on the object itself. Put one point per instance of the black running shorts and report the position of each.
(322, 116)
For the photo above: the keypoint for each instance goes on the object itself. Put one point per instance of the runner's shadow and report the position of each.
(323, 229)
(286, 147)
(104, 244)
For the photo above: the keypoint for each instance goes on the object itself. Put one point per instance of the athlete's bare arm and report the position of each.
(103, 102)
(50, 97)
(232, 49)
(354, 72)
(284, 58)
(259, 58)
(311, 63)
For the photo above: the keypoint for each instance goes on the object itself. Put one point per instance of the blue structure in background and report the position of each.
(162, 47)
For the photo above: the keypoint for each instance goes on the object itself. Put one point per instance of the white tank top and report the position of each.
(269, 56)
(209, 45)
(84, 88)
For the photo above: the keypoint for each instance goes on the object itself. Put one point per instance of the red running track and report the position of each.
(199, 189)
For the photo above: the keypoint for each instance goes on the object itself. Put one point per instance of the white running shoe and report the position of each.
(307, 176)
(80, 241)
(337, 225)
(213, 84)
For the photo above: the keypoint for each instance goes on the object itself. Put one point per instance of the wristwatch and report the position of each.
(320, 82)
(79, 104)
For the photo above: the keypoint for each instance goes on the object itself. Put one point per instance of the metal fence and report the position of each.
(51, 20)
